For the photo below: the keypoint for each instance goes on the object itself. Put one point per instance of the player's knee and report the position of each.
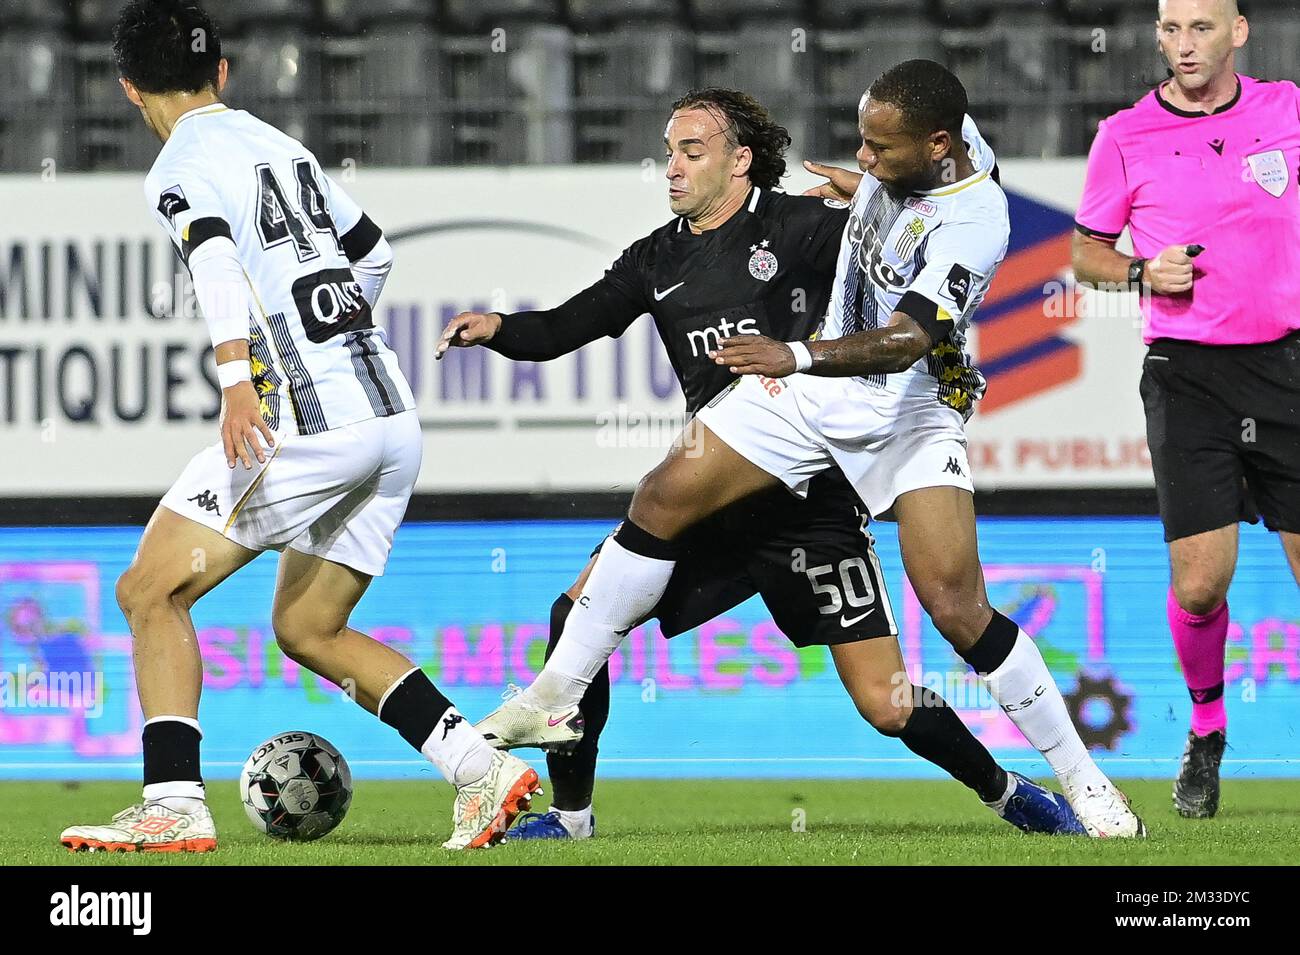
(297, 632)
(661, 505)
(886, 709)
(1200, 594)
(953, 611)
(140, 593)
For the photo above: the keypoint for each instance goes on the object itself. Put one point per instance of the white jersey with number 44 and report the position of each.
(318, 360)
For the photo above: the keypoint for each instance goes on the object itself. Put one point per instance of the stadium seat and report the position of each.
(94, 19)
(1273, 51)
(473, 15)
(624, 82)
(837, 14)
(610, 14)
(353, 16)
(239, 16)
(34, 68)
(845, 63)
(713, 14)
(381, 89)
(273, 65)
(970, 12)
(33, 13)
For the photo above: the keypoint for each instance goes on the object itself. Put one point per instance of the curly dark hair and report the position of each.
(166, 46)
(928, 95)
(747, 123)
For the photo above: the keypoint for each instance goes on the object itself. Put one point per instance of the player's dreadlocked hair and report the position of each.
(926, 93)
(748, 123)
(166, 46)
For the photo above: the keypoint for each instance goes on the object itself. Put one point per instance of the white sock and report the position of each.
(622, 590)
(576, 821)
(1024, 688)
(184, 797)
(459, 751)
(998, 805)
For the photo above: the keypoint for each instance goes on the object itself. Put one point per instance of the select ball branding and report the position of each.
(296, 786)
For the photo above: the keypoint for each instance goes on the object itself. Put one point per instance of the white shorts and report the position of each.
(887, 440)
(340, 494)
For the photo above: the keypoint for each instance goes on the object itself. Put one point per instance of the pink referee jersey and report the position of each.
(1225, 180)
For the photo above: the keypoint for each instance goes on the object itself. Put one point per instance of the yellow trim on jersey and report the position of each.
(251, 488)
(975, 180)
(270, 340)
(201, 111)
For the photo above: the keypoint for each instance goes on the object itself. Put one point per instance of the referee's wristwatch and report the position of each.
(1135, 270)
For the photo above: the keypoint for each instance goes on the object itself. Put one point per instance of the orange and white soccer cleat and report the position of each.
(485, 809)
(150, 827)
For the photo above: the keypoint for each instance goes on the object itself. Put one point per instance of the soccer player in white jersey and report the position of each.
(320, 443)
(883, 393)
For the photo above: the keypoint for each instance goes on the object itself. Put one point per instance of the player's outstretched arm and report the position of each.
(883, 350)
(602, 310)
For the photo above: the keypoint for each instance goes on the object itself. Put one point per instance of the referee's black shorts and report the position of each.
(811, 560)
(1223, 426)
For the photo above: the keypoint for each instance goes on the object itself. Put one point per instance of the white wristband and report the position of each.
(802, 356)
(230, 373)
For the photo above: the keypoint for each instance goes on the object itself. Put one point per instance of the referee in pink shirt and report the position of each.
(1202, 170)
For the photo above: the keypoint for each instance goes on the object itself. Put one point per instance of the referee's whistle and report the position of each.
(1195, 250)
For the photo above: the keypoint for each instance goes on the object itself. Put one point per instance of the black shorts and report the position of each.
(811, 560)
(1223, 425)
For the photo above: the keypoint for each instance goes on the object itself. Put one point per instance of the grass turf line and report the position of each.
(719, 822)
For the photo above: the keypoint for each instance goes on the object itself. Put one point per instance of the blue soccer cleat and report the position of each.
(1032, 808)
(545, 825)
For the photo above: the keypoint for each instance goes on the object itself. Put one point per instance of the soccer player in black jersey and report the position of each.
(741, 259)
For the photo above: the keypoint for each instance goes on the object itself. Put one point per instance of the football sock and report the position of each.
(171, 762)
(936, 733)
(573, 775)
(576, 821)
(1011, 666)
(1000, 804)
(426, 719)
(630, 575)
(1200, 640)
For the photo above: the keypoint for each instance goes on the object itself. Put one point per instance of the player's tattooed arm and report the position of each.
(891, 349)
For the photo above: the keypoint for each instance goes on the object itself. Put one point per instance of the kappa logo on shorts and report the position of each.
(206, 501)
(953, 468)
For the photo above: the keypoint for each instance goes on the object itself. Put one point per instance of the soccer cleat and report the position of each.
(516, 723)
(1196, 790)
(1105, 813)
(1031, 808)
(150, 827)
(485, 809)
(545, 825)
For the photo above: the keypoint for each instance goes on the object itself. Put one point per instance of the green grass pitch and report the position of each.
(719, 822)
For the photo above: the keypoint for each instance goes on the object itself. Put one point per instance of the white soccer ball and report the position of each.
(296, 786)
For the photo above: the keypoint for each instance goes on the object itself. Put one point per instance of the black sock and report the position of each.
(413, 708)
(994, 645)
(936, 733)
(171, 752)
(573, 775)
(637, 540)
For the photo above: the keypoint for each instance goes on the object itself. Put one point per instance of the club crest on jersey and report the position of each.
(762, 263)
(172, 202)
(924, 206)
(1270, 172)
(835, 204)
